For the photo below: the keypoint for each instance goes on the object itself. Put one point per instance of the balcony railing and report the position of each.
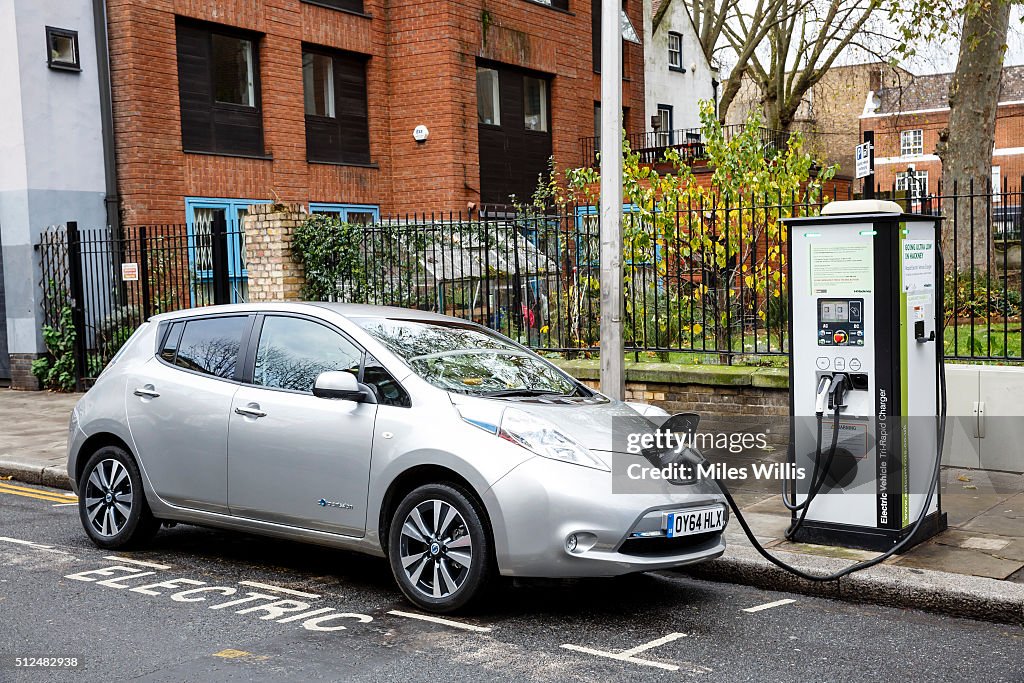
(689, 142)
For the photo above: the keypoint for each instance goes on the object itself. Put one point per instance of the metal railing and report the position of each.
(689, 142)
(705, 283)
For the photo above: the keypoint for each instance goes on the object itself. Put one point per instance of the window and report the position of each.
(348, 5)
(535, 103)
(337, 123)
(210, 345)
(293, 351)
(318, 83)
(912, 142)
(916, 187)
(62, 49)
(358, 214)
(389, 392)
(675, 52)
(233, 79)
(170, 345)
(488, 104)
(218, 87)
(664, 133)
(200, 213)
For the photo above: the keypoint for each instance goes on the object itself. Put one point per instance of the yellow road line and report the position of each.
(34, 493)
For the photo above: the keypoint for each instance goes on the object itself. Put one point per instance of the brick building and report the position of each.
(908, 119)
(221, 104)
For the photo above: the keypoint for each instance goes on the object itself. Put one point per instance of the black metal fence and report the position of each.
(707, 282)
(105, 286)
(688, 142)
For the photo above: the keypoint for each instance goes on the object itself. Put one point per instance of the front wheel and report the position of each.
(111, 502)
(440, 548)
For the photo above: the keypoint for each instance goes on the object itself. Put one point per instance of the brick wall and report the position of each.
(21, 372)
(421, 71)
(273, 273)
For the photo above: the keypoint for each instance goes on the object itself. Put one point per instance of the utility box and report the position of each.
(865, 307)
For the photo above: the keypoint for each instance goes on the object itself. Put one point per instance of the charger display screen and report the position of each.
(835, 311)
(840, 322)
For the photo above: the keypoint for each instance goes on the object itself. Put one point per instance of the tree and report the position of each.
(965, 146)
(784, 46)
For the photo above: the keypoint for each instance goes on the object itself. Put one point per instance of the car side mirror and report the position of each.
(338, 384)
(685, 423)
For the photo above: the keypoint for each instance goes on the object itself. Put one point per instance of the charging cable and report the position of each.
(835, 399)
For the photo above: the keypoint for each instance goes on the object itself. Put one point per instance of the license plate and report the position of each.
(688, 522)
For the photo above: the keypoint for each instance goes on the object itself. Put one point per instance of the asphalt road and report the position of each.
(120, 626)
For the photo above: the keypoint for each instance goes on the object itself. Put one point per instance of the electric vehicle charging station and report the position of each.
(865, 332)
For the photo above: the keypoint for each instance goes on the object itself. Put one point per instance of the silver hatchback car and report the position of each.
(449, 449)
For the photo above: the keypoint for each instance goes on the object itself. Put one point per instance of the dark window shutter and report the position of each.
(194, 88)
(351, 103)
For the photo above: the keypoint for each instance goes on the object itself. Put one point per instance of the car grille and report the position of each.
(668, 546)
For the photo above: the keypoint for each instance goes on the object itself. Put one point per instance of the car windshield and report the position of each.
(469, 359)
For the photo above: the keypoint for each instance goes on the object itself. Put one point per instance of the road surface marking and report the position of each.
(441, 620)
(769, 605)
(39, 494)
(628, 655)
(63, 505)
(141, 563)
(231, 654)
(277, 589)
(33, 544)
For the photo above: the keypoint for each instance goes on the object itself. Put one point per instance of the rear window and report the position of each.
(207, 345)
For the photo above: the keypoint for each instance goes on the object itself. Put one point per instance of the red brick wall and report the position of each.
(421, 71)
(1009, 135)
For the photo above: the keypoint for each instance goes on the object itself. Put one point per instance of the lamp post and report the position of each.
(613, 382)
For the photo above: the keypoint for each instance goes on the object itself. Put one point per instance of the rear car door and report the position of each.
(178, 405)
(293, 458)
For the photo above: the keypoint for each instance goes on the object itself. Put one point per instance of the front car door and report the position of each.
(293, 458)
(178, 405)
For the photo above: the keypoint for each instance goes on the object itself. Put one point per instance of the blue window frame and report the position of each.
(363, 214)
(200, 213)
(588, 238)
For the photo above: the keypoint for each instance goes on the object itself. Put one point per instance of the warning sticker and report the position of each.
(918, 265)
(842, 269)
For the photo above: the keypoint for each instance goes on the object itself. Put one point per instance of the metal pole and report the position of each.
(613, 382)
(869, 179)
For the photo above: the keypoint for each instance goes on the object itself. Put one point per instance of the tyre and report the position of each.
(111, 502)
(440, 548)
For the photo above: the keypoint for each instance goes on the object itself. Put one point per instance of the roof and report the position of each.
(932, 92)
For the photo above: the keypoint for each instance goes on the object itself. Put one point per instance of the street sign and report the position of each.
(863, 157)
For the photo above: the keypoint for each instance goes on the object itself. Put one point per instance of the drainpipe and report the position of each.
(111, 200)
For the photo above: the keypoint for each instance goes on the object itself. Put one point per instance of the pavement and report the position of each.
(975, 569)
(199, 604)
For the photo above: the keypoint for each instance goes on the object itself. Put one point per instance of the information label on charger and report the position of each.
(918, 265)
(843, 269)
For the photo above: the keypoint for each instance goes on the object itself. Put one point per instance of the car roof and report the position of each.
(350, 311)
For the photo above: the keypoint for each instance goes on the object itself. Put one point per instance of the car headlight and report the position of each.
(545, 439)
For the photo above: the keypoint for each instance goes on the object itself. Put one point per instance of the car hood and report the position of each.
(598, 426)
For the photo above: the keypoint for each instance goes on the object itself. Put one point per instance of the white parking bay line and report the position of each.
(63, 505)
(33, 544)
(769, 605)
(441, 620)
(141, 563)
(629, 655)
(277, 589)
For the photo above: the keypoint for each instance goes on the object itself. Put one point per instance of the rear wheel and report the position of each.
(111, 502)
(440, 548)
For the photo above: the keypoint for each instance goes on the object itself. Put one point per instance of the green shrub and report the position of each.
(56, 371)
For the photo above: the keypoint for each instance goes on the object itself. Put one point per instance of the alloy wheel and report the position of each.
(435, 548)
(108, 497)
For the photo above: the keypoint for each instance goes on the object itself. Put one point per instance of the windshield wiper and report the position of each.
(522, 392)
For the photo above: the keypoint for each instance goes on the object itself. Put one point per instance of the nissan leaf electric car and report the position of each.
(447, 448)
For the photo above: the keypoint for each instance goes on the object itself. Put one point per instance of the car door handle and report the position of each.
(251, 410)
(147, 392)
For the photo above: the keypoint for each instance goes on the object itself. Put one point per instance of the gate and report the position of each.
(105, 286)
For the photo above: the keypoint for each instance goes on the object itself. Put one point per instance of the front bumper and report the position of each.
(536, 506)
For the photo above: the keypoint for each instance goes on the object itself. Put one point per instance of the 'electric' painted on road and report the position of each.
(267, 600)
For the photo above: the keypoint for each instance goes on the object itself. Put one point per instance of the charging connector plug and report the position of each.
(822, 395)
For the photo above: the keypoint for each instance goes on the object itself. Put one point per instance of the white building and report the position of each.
(677, 75)
(55, 164)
